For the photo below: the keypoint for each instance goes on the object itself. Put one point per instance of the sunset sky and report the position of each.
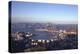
(44, 12)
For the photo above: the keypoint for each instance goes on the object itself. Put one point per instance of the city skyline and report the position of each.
(35, 26)
(44, 12)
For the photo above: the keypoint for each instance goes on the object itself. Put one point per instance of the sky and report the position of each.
(43, 12)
